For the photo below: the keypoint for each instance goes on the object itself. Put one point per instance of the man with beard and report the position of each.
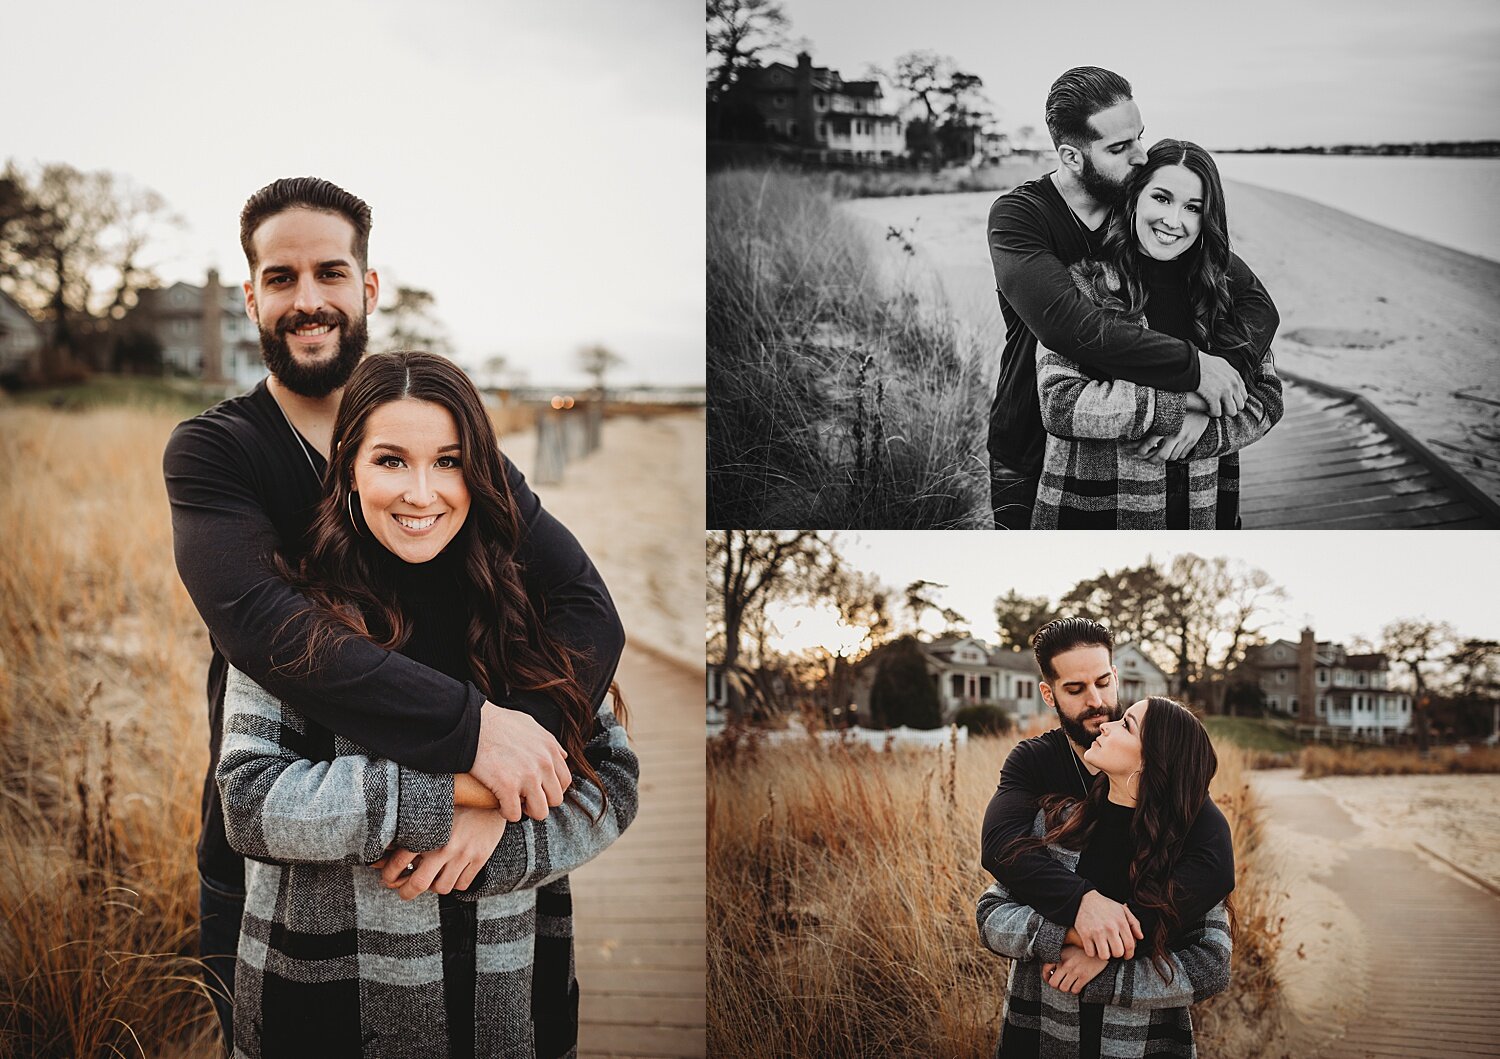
(245, 479)
(1038, 229)
(1080, 683)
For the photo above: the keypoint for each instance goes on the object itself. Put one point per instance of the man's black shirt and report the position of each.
(1033, 237)
(1047, 765)
(242, 486)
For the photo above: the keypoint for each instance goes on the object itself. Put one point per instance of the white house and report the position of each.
(1140, 678)
(21, 339)
(1320, 682)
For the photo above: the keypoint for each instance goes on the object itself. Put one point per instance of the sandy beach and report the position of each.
(1406, 323)
(1328, 949)
(636, 505)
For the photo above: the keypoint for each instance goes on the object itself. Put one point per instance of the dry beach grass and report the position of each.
(841, 889)
(837, 400)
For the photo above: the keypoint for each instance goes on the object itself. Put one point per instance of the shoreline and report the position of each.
(1404, 321)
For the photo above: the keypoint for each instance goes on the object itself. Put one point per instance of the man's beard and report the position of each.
(321, 378)
(1103, 189)
(1074, 729)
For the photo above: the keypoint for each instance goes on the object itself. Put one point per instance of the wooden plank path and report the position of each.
(1432, 983)
(639, 908)
(1335, 462)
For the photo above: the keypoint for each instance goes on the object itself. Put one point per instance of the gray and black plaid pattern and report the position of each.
(1091, 477)
(1145, 1012)
(333, 963)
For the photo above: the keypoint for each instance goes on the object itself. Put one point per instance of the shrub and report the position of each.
(984, 720)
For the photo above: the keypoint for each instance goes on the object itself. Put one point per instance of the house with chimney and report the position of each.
(1322, 683)
(203, 330)
(826, 118)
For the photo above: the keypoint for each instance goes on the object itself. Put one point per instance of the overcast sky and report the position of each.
(1342, 584)
(538, 167)
(1272, 72)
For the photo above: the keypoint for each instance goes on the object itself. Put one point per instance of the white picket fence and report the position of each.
(878, 738)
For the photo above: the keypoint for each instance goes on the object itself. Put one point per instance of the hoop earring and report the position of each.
(1133, 776)
(352, 520)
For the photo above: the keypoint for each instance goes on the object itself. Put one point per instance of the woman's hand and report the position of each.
(476, 833)
(1075, 970)
(1178, 445)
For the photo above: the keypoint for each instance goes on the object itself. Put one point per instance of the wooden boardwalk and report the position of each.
(639, 909)
(1431, 985)
(1335, 462)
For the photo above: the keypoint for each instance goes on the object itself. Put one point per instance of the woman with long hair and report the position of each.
(390, 911)
(1124, 456)
(1126, 838)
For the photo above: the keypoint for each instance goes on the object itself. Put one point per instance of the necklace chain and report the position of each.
(1081, 778)
(300, 443)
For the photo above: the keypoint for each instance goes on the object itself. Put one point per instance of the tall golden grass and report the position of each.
(841, 891)
(837, 402)
(1347, 761)
(104, 728)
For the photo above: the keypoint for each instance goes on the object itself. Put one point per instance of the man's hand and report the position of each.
(520, 762)
(1220, 385)
(1106, 928)
(1075, 970)
(476, 833)
(1178, 445)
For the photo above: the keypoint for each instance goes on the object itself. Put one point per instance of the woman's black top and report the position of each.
(1106, 863)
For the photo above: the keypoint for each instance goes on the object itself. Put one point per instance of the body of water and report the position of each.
(1451, 201)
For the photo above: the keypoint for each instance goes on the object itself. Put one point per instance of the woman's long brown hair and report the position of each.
(1216, 328)
(1177, 764)
(507, 644)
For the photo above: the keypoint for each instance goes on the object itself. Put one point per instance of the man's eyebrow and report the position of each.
(337, 262)
(1075, 683)
(391, 446)
(1128, 140)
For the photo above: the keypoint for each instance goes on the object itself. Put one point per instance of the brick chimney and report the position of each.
(807, 130)
(1307, 688)
(212, 329)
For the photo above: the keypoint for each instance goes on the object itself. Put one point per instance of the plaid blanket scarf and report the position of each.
(331, 963)
(1146, 1014)
(1091, 477)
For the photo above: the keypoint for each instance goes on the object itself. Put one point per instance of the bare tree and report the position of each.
(747, 568)
(737, 31)
(72, 251)
(1415, 642)
(945, 92)
(597, 361)
(411, 322)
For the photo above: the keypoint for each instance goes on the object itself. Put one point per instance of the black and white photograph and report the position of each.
(1103, 267)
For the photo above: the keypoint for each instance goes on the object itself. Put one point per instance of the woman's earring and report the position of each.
(354, 521)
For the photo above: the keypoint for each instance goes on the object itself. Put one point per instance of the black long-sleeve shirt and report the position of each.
(1047, 765)
(243, 486)
(1033, 238)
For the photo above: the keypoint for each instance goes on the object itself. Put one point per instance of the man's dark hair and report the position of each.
(1077, 96)
(305, 193)
(1064, 634)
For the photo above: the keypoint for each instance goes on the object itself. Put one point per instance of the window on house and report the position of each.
(1360, 680)
(791, 129)
(985, 688)
(1291, 704)
(956, 685)
(822, 130)
(1025, 689)
(820, 102)
(1281, 676)
(779, 102)
(1322, 678)
(1322, 705)
(1273, 701)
